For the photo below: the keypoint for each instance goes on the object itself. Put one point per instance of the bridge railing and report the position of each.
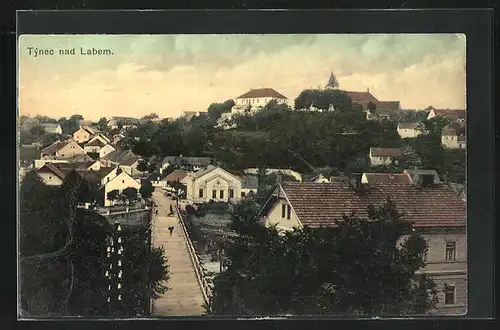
(195, 259)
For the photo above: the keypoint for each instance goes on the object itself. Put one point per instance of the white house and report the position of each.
(213, 183)
(408, 130)
(119, 182)
(52, 128)
(451, 140)
(384, 156)
(457, 115)
(82, 135)
(282, 171)
(316, 205)
(260, 97)
(62, 149)
(156, 180)
(107, 149)
(51, 175)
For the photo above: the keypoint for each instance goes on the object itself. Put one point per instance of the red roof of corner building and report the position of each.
(388, 105)
(451, 113)
(261, 92)
(176, 175)
(362, 97)
(319, 204)
(387, 178)
(385, 152)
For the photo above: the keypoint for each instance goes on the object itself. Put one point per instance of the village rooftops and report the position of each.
(261, 93)
(122, 157)
(95, 143)
(362, 97)
(320, 204)
(176, 175)
(415, 174)
(54, 147)
(181, 160)
(386, 178)
(385, 152)
(449, 113)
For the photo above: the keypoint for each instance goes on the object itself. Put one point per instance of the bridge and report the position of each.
(188, 290)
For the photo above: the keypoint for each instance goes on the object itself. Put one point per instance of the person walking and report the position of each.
(171, 210)
(171, 229)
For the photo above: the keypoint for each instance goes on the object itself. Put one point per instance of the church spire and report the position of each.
(332, 82)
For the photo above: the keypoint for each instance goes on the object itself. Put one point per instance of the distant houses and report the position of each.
(186, 163)
(452, 138)
(384, 156)
(52, 128)
(408, 130)
(457, 115)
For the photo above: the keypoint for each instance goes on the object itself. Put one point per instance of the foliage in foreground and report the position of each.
(358, 268)
(63, 256)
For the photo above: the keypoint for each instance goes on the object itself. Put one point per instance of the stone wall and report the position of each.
(132, 218)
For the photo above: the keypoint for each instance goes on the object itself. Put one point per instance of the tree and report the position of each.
(151, 116)
(37, 131)
(142, 165)
(146, 190)
(129, 194)
(102, 124)
(360, 267)
(215, 110)
(179, 188)
(113, 195)
(63, 256)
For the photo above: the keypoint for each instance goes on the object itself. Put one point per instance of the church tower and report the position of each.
(332, 82)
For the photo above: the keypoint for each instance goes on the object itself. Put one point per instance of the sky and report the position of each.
(169, 74)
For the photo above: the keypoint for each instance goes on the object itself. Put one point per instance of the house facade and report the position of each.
(384, 156)
(51, 175)
(457, 115)
(52, 128)
(213, 183)
(260, 97)
(437, 212)
(82, 135)
(107, 149)
(408, 130)
(119, 182)
(451, 140)
(62, 150)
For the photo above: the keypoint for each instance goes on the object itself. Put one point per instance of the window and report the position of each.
(288, 212)
(108, 179)
(200, 193)
(50, 177)
(221, 194)
(231, 193)
(123, 181)
(449, 294)
(283, 210)
(451, 251)
(243, 194)
(214, 194)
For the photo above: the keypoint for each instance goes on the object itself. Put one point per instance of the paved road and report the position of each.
(184, 297)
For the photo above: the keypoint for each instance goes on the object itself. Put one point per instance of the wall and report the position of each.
(119, 183)
(407, 133)
(274, 216)
(50, 179)
(70, 150)
(208, 183)
(449, 141)
(132, 218)
(376, 161)
(105, 150)
(81, 136)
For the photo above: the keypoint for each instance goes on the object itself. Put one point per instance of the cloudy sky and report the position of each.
(168, 74)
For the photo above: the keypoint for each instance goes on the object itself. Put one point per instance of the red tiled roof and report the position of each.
(176, 175)
(385, 152)
(362, 97)
(261, 92)
(319, 204)
(52, 168)
(450, 113)
(387, 178)
(388, 105)
(95, 143)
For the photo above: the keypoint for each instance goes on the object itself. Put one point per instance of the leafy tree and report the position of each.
(113, 195)
(151, 116)
(102, 124)
(63, 256)
(129, 194)
(215, 110)
(359, 268)
(142, 165)
(179, 188)
(146, 190)
(323, 99)
(37, 130)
